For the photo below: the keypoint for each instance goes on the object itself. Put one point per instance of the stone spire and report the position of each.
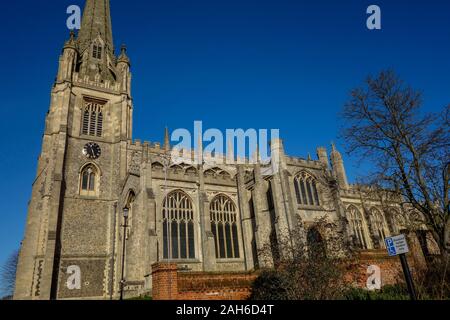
(96, 48)
(96, 22)
(166, 139)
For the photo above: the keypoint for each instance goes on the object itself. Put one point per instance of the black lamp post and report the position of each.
(122, 281)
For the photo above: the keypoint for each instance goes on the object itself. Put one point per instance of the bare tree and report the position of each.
(8, 275)
(310, 266)
(410, 149)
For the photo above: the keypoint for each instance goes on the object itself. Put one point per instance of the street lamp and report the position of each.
(122, 281)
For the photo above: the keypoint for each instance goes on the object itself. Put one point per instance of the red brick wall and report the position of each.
(390, 267)
(164, 276)
(215, 286)
(169, 283)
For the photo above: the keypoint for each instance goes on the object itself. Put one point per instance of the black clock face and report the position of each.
(92, 151)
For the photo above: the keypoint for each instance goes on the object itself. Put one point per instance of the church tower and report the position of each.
(69, 249)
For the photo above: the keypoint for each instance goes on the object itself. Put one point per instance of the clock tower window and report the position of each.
(89, 180)
(92, 122)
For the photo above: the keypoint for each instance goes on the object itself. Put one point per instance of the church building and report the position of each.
(205, 218)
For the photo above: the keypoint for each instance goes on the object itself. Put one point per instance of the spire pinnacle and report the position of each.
(123, 57)
(166, 139)
(335, 153)
(71, 42)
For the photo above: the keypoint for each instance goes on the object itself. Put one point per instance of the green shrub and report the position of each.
(393, 292)
(146, 298)
(270, 285)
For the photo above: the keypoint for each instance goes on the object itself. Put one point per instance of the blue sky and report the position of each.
(232, 64)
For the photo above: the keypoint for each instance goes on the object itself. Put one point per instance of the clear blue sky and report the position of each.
(233, 64)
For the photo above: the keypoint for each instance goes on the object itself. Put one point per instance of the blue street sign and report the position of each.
(390, 247)
(396, 245)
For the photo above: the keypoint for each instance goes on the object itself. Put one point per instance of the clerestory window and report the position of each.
(306, 190)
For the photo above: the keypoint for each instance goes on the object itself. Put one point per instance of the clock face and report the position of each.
(92, 151)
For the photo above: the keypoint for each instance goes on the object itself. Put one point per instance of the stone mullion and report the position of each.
(218, 230)
(309, 192)
(97, 115)
(216, 217)
(361, 234)
(186, 236)
(169, 233)
(233, 250)
(303, 192)
(225, 239)
(178, 233)
(227, 223)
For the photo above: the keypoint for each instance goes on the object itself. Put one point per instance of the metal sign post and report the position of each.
(397, 246)
(408, 277)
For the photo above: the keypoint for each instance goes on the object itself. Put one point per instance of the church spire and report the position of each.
(166, 139)
(96, 22)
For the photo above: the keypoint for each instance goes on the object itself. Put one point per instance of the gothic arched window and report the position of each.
(97, 51)
(306, 190)
(89, 180)
(178, 227)
(357, 225)
(391, 217)
(92, 124)
(224, 227)
(378, 225)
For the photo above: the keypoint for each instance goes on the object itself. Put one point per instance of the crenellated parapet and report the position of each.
(302, 162)
(96, 83)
